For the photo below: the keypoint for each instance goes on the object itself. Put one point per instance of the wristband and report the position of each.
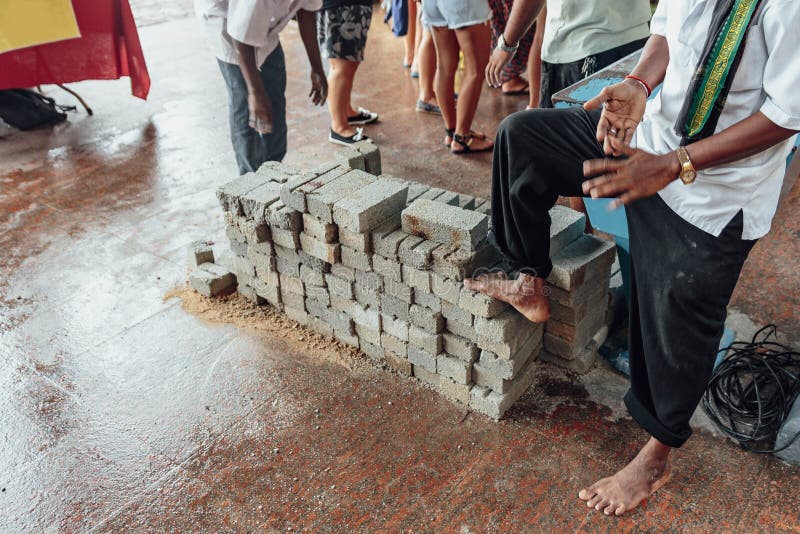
(643, 83)
(504, 46)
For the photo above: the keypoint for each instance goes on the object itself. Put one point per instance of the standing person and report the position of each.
(460, 25)
(343, 27)
(244, 34)
(512, 81)
(412, 38)
(425, 60)
(700, 190)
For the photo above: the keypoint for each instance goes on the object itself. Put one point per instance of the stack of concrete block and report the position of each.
(378, 263)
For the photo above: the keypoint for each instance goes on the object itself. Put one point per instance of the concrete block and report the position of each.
(351, 157)
(395, 345)
(361, 242)
(311, 277)
(448, 197)
(466, 202)
(394, 326)
(254, 203)
(366, 296)
(405, 248)
(355, 259)
(366, 316)
(263, 256)
(341, 322)
(566, 225)
(398, 290)
(453, 390)
(460, 263)
(242, 267)
(445, 288)
(425, 376)
(456, 314)
(369, 280)
(390, 269)
(268, 291)
(212, 280)
(502, 368)
(286, 265)
(481, 305)
(421, 256)
(346, 337)
(386, 238)
(319, 294)
(325, 232)
(255, 232)
(269, 277)
(229, 193)
(341, 304)
(398, 362)
(428, 300)
(297, 315)
(372, 156)
(327, 252)
(292, 300)
(421, 358)
(571, 316)
(320, 201)
(238, 247)
(319, 309)
(235, 235)
(460, 347)
(250, 294)
(515, 342)
(415, 190)
(367, 206)
(461, 329)
(495, 404)
(314, 263)
(319, 326)
(291, 283)
(394, 306)
(585, 258)
(375, 352)
(339, 287)
(454, 368)
(426, 319)
(431, 194)
(416, 278)
(581, 332)
(200, 252)
(431, 343)
(368, 335)
(503, 326)
(279, 215)
(582, 363)
(347, 273)
(484, 207)
(276, 171)
(580, 294)
(445, 224)
(294, 191)
(286, 238)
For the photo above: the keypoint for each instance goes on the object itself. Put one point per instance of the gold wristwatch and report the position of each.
(688, 173)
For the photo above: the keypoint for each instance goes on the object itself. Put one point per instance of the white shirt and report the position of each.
(576, 29)
(253, 22)
(767, 81)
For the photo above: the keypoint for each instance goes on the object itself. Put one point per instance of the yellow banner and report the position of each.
(25, 23)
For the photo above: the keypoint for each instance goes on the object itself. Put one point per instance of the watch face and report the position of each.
(688, 177)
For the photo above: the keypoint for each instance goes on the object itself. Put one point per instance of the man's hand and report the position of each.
(494, 70)
(641, 174)
(623, 108)
(260, 112)
(319, 87)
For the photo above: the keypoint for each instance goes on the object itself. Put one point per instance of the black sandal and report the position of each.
(450, 132)
(466, 142)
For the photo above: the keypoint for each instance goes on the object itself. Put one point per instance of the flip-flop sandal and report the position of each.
(450, 132)
(525, 91)
(466, 141)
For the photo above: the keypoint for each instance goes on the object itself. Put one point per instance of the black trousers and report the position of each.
(682, 278)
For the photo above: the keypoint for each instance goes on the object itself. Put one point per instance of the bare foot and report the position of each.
(638, 480)
(526, 293)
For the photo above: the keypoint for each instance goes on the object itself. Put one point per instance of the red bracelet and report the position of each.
(646, 86)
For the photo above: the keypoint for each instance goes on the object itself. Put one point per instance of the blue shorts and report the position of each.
(454, 14)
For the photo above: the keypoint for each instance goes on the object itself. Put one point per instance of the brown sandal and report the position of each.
(466, 143)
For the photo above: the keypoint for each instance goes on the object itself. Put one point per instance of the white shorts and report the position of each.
(454, 14)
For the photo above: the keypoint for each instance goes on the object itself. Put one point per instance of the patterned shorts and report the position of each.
(342, 31)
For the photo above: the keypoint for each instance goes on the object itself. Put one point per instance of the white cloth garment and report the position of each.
(576, 29)
(766, 81)
(253, 22)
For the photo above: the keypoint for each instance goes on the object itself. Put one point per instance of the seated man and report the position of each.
(699, 190)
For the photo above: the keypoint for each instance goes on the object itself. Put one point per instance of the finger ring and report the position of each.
(613, 131)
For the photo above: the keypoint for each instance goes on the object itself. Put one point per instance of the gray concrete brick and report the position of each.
(294, 191)
(271, 278)
(582, 363)
(460, 263)
(342, 304)
(386, 238)
(481, 305)
(325, 232)
(395, 326)
(426, 319)
(461, 329)
(431, 343)
(312, 262)
(327, 252)
(275, 171)
(258, 251)
(417, 252)
(416, 278)
(508, 368)
(284, 217)
(254, 232)
(456, 314)
(448, 197)
(235, 234)
(287, 265)
(297, 315)
(405, 248)
(225, 259)
(425, 376)
(431, 193)
(346, 337)
(368, 335)
(445, 288)
(511, 347)
(395, 345)
(319, 294)
(454, 391)
(366, 296)
(341, 322)
(494, 404)
(319, 326)
(320, 202)
(200, 252)
(398, 290)
(286, 238)
(459, 347)
(254, 203)
(586, 257)
(445, 224)
(250, 294)
(292, 300)
(347, 273)
(466, 202)
(319, 309)
(212, 280)
(454, 368)
(571, 315)
(351, 157)
(428, 300)
(399, 363)
(356, 260)
(503, 326)
(421, 358)
(566, 225)
(366, 316)
(292, 284)
(369, 280)
(239, 248)
(390, 269)
(580, 294)
(229, 193)
(415, 190)
(372, 156)
(485, 207)
(361, 242)
(339, 287)
(242, 267)
(393, 306)
(568, 341)
(368, 206)
(375, 352)
(311, 277)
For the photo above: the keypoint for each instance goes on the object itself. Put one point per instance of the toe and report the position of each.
(610, 509)
(621, 509)
(591, 503)
(586, 493)
(601, 504)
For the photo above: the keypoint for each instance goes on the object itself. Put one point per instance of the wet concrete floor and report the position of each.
(120, 409)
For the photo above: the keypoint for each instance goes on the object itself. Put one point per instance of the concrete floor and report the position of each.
(123, 410)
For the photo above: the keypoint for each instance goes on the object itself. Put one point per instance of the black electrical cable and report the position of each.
(752, 391)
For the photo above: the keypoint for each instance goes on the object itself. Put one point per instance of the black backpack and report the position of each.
(26, 109)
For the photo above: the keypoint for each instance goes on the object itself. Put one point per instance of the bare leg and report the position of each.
(410, 40)
(636, 481)
(419, 31)
(527, 293)
(535, 61)
(446, 45)
(474, 41)
(426, 61)
(340, 86)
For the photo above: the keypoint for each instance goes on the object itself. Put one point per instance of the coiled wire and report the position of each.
(752, 391)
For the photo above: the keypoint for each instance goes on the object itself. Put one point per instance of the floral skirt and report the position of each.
(342, 31)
